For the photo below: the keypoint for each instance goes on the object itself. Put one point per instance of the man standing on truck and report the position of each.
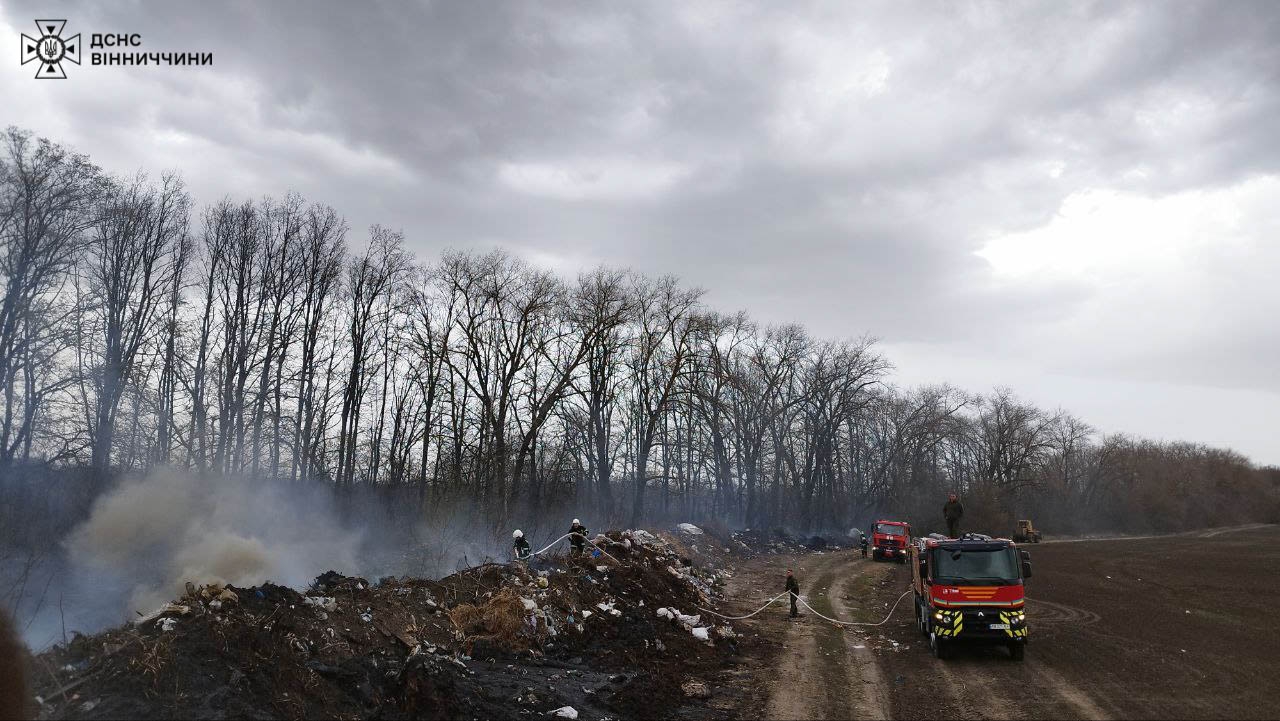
(952, 511)
(793, 588)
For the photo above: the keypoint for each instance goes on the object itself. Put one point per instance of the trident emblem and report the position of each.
(50, 49)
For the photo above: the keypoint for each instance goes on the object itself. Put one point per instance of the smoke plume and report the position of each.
(151, 535)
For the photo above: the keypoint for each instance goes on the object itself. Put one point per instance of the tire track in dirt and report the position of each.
(814, 679)
(1085, 706)
(816, 673)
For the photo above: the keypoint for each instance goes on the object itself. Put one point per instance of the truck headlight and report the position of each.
(938, 615)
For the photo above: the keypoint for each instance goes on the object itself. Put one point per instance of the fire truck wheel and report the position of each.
(1017, 650)
(939, 647)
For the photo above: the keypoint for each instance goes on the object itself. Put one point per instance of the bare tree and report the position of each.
(371, 278)
(46, 205)
(131, 267)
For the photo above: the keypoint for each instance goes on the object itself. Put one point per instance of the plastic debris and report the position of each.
(568, 712)
(328, 603)
(690, 529)
(175, 608)
(168, 624)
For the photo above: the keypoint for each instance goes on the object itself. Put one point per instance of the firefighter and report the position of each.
(952, 511)
(863, 544)
(578, 539)
(793, 588)
(521, 546)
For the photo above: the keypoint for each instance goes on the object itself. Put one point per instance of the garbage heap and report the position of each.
(614, 633)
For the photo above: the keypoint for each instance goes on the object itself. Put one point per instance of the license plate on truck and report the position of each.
(999, 627)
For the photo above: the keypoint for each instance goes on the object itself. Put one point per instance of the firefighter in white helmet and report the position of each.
(521, 546)
(577, 537)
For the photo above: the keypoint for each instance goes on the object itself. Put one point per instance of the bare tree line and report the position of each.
(264, 338)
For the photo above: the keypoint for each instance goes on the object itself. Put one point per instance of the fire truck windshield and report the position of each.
(886, 529)
(992, 565)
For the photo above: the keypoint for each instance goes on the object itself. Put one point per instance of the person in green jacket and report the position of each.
(793, 588)
(952, 512)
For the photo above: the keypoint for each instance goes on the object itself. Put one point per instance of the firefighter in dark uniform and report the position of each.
(952, 511)
(863, 544)
(520, 546)
(793, 588)
(578, 539)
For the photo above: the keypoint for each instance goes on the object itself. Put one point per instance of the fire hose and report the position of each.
(739, 618)
(571, 533)
(857, 623)
(806, 605)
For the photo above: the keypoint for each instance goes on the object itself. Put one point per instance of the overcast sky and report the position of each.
(1077, 200)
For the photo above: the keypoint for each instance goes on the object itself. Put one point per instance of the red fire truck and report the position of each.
(890, 539)
(970, 589)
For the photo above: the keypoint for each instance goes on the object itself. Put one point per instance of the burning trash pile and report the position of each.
(614, 633)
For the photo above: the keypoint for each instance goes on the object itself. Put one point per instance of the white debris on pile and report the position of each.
(608, 608)
(568, 712)
(701, 633)
(177, 608)
(529, 604)
(168, 624)
(643, 537)
(690, 529)
(328, 603)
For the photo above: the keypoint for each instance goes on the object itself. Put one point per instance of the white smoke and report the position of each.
(152, 535)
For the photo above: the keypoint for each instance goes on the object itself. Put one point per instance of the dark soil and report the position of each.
(1173, 627)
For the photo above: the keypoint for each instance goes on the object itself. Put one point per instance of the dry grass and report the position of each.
(501, 618)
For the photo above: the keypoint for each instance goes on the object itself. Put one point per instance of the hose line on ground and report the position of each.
(739, 618)
(858, 623)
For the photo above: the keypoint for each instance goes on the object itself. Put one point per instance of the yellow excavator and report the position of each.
(1026, 533)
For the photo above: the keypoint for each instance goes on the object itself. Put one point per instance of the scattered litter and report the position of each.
(690, 529)
(328, 603)
(568, 712)
(174, 608)
(168, 624)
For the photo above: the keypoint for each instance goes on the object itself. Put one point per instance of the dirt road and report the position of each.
(1171, 627)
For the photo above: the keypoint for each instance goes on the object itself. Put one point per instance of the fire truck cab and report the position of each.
(970, 589)
(890, 539)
